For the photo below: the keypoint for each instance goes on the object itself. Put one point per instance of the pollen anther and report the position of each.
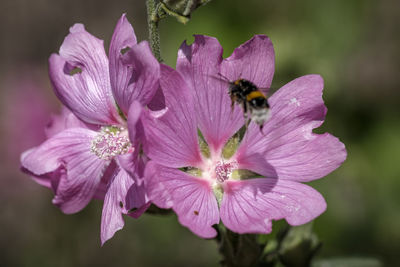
(223, 170)
(110, 142)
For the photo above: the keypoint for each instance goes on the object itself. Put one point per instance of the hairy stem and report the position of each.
(152, 20)
(238, 250)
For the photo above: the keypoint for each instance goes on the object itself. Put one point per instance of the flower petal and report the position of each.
(171, 133)
(105, 181)
(249, 206)
(134, 72)
(134, 125)
(80, 77)
(84, 170)
(65, 120)
(258, 164)
(157, 192)
(137, 76)
(44, 179)
(51, 180)
(253, 61)
(136, 201)
(199, 64)
(287, 141)
(158, 100)
(192, 198)
(115, 204)
(124, 38)
(126, 194)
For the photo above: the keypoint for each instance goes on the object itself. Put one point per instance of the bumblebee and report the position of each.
(252, 100)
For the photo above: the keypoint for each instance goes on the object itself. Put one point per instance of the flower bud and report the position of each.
(181, 9)
(299, 246)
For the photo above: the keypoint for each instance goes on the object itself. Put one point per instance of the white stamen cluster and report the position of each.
(110, 142)
(224, 170)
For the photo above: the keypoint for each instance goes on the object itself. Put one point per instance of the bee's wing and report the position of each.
(266, 90)
(219, 77)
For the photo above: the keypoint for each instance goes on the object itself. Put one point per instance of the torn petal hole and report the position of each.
(124, 50)
(75, 71)
(192, 171)
(71, 69)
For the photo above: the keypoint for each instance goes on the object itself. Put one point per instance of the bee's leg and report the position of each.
(245, 108)
(232, 103)
(245, 113)
(261, 129)
(247, 122)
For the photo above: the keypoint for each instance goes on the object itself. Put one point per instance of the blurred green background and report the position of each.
(354, 45)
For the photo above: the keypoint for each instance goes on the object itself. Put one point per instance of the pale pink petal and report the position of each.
(138, 76)
(123, 39)
(51, 180)
(44, 179)
(65, 120)
(136, 198)
(287, 141)
(134, 125)
(171, 133)
(200, 64)
(249, 206)
(105, 181)
(134, 72)
(126, 194)
(192, 199)
(253, 61)
(79, 187)
(115, 204)
(158, 100)
(80, 77)
(156, 190)
(50, 154)
(69, 149)
(258, 164)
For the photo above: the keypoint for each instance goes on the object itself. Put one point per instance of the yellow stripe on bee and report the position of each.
(254, 94)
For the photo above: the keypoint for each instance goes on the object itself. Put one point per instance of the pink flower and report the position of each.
(91, 146)
(246, 183)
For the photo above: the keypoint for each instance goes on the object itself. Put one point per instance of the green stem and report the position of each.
(152, 20)
(238, 250)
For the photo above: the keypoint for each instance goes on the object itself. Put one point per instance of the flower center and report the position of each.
(223, 170)
(110, 142)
